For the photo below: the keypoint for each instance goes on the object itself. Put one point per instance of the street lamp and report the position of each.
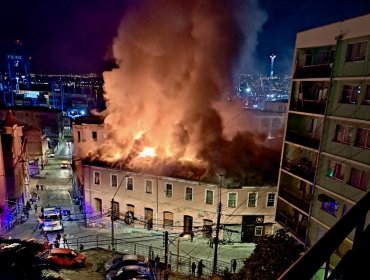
(112, 214)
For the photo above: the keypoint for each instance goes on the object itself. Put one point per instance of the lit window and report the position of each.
(343, 134)
(336, 170)
(130, 183)
(328, 204)
(363, 138)
(209, 197)
(168, 190)
(356, 51)
(359, 179)
(252, 199)
(188, 193)
(232, 200)
(258, 230)
(96, 178)
(350, 94)
(270, 200)
(148, 186)
(113, 180)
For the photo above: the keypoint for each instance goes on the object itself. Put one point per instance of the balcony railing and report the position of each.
(313, 71)
(303, 170)
(354, 265)
(298, 229)
(300, 201)
(302, 139)
(308, 106)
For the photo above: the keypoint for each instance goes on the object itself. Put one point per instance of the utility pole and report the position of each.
(214, 271)
(112, 214)
(166, 254)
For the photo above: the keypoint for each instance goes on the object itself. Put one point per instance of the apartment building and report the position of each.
(325, 162)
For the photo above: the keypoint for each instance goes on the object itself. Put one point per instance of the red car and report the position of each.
(66, 257)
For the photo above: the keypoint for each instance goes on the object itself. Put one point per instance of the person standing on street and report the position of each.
(234, 265)
(35, 208)
(200, 268)
(193, 268)
(65, 243)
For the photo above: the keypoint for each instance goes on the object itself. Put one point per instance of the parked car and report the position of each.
(66, 257)
(119, 261)
(133, 271)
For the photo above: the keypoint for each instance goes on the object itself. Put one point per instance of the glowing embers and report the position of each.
(147, 152)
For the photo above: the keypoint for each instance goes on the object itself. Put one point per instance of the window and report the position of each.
(270, 200)
(113, 180)
(359, 179)
(258, 230)
(367, 96)
(209, 197)
(356, 51)
(148, 186)
(168, 190)
(252, 199)
(343, 134)
(95, 136)
(328, 204)
(363, 138)
(78, 136)
(130, 183)
(336, 170)
(350, 94)
(188, 193)
(232, 200)
(96, 178)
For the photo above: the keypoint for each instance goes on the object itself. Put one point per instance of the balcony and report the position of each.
(354, 264)
(302, 169)
(297, 198)
(295, 227)
(313, 71)
(302, 139)
(308, 106)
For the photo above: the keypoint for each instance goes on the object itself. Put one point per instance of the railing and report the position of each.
(133, 247)
(353, 264)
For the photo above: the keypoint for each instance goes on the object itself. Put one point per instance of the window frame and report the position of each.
(344, 134)
(206, 201)
(168, 191)
(257, 228)
(354, 49)
(228, 199)
(335, 170)
(111, 180)
(269, 200)
(150, 191)
(363, 144)
(363, 182)
(131, 188)
(350, 94)
(256, 199)
(186, 193)
(97, 178)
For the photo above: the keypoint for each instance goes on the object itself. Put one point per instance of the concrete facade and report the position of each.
(325, 163)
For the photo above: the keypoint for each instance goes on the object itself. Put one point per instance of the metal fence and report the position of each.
(133, 247)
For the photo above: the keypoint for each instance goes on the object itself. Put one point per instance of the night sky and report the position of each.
(75, 36)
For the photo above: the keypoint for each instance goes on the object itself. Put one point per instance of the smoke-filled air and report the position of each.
(166, 110)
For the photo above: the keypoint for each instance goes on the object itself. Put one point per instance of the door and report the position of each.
(188, 224)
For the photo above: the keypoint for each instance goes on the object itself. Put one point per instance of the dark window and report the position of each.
(359, 179)
(350, 94)
(356, 51)
(95, 136)
(78, 136)
(363, 138)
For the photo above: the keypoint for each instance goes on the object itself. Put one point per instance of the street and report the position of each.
(57, 192)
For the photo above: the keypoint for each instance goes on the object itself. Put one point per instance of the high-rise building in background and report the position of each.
(325, 163)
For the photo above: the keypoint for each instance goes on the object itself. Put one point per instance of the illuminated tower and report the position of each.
(18, 67)
(272, 57)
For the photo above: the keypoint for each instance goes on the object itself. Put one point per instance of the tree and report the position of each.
(271, 257)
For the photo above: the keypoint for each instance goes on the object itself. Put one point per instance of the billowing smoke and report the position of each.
(175, 62)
